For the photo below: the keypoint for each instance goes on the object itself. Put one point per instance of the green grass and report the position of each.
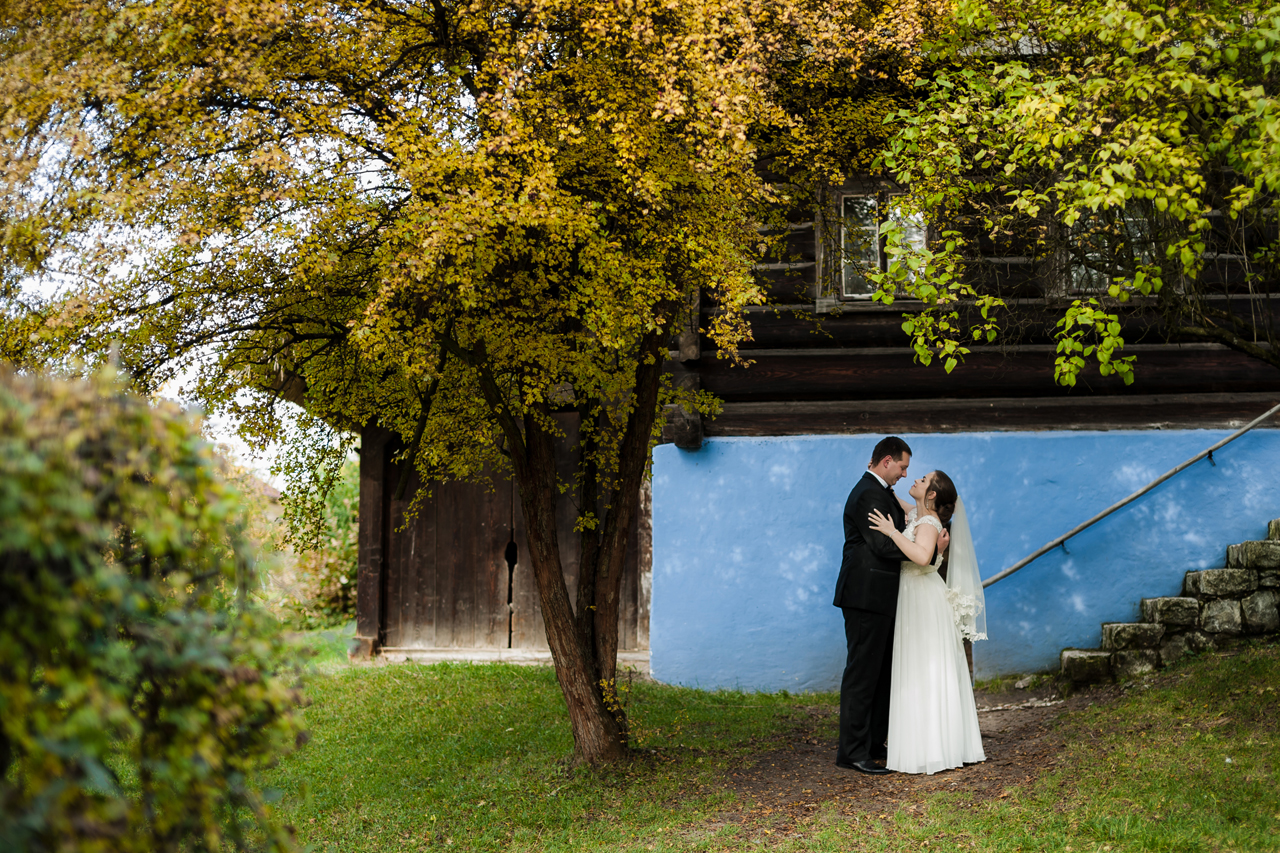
(470, 757)
(326, 649)
(1190, 764)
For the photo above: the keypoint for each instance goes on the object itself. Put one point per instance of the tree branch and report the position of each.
(1230, 339)
(493, 397)
(411, 457)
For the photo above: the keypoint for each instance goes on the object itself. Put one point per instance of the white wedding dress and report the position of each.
(933, 721)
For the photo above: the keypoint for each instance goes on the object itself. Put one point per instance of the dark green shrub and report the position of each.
(140, 693)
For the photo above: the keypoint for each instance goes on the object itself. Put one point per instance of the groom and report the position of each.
(867, 593)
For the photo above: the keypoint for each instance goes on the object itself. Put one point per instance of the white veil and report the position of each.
(964, 583)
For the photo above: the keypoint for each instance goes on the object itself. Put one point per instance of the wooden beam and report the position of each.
(683, 427)
(863, 323)
(891, 373)
(1151, 411)
(689, 341)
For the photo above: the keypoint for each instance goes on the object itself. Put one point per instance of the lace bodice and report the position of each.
(910, 533)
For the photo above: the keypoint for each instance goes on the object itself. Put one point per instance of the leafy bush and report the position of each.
(140, 692)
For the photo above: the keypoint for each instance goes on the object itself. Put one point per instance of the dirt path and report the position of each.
(791, 783)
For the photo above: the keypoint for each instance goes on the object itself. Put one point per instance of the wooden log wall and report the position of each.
(820, 363)
(855, 373)
(439, 584)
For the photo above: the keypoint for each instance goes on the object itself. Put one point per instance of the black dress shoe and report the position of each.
(865, 766)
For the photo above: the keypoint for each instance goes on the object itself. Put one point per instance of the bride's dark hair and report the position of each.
(944, 497)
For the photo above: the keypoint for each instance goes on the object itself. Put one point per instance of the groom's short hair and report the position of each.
(891, 446)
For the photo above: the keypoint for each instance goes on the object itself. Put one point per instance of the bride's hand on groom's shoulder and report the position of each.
(944, 539)
(881, 522)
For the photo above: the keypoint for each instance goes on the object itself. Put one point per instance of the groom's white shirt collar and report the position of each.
(878, 477)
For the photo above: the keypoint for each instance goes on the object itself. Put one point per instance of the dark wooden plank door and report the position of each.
(444, 581)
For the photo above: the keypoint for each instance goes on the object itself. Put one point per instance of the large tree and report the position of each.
(451, 219)
(1128, 149)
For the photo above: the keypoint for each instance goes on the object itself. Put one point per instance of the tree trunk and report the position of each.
(585, 649)
(612, 556)
(589, 540)
(597, 735)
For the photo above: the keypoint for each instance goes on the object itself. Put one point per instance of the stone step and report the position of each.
(1254, 555)
(1260, 612)
(1131, 663)
(1171, 611)
(1118, 636)
(1177, 645)
(1221, 616)
(1273, 529)
(1220, 583)
(1086, 666)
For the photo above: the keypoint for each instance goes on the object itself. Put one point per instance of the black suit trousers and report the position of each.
(864, 689)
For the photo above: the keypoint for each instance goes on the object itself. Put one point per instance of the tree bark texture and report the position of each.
(589, 539)
(597, 735)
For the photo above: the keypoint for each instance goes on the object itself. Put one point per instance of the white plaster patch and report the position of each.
(1077, 602)
(781, 475)
(1257, 492)
(1195, 536)
(1170, 512)
(797, 598)
(730, 568)
(801, 564)
(801, 553)
(1134, 476)
(670, 566)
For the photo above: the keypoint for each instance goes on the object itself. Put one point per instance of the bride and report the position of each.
(933, 722)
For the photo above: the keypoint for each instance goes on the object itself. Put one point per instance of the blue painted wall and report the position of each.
(747, 538)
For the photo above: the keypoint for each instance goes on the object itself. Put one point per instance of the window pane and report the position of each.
(912, 225)
(1108, 244)
(861, 244)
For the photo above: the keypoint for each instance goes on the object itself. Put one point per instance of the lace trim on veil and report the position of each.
(964, 608)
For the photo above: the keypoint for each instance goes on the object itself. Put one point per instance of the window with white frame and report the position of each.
(863, 246)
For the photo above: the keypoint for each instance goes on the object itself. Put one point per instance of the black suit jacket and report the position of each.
(871, 563)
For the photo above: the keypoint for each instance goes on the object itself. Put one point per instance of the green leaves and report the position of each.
(936, 278)
(1087, 331)
(140, 691)
(1131, 144)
